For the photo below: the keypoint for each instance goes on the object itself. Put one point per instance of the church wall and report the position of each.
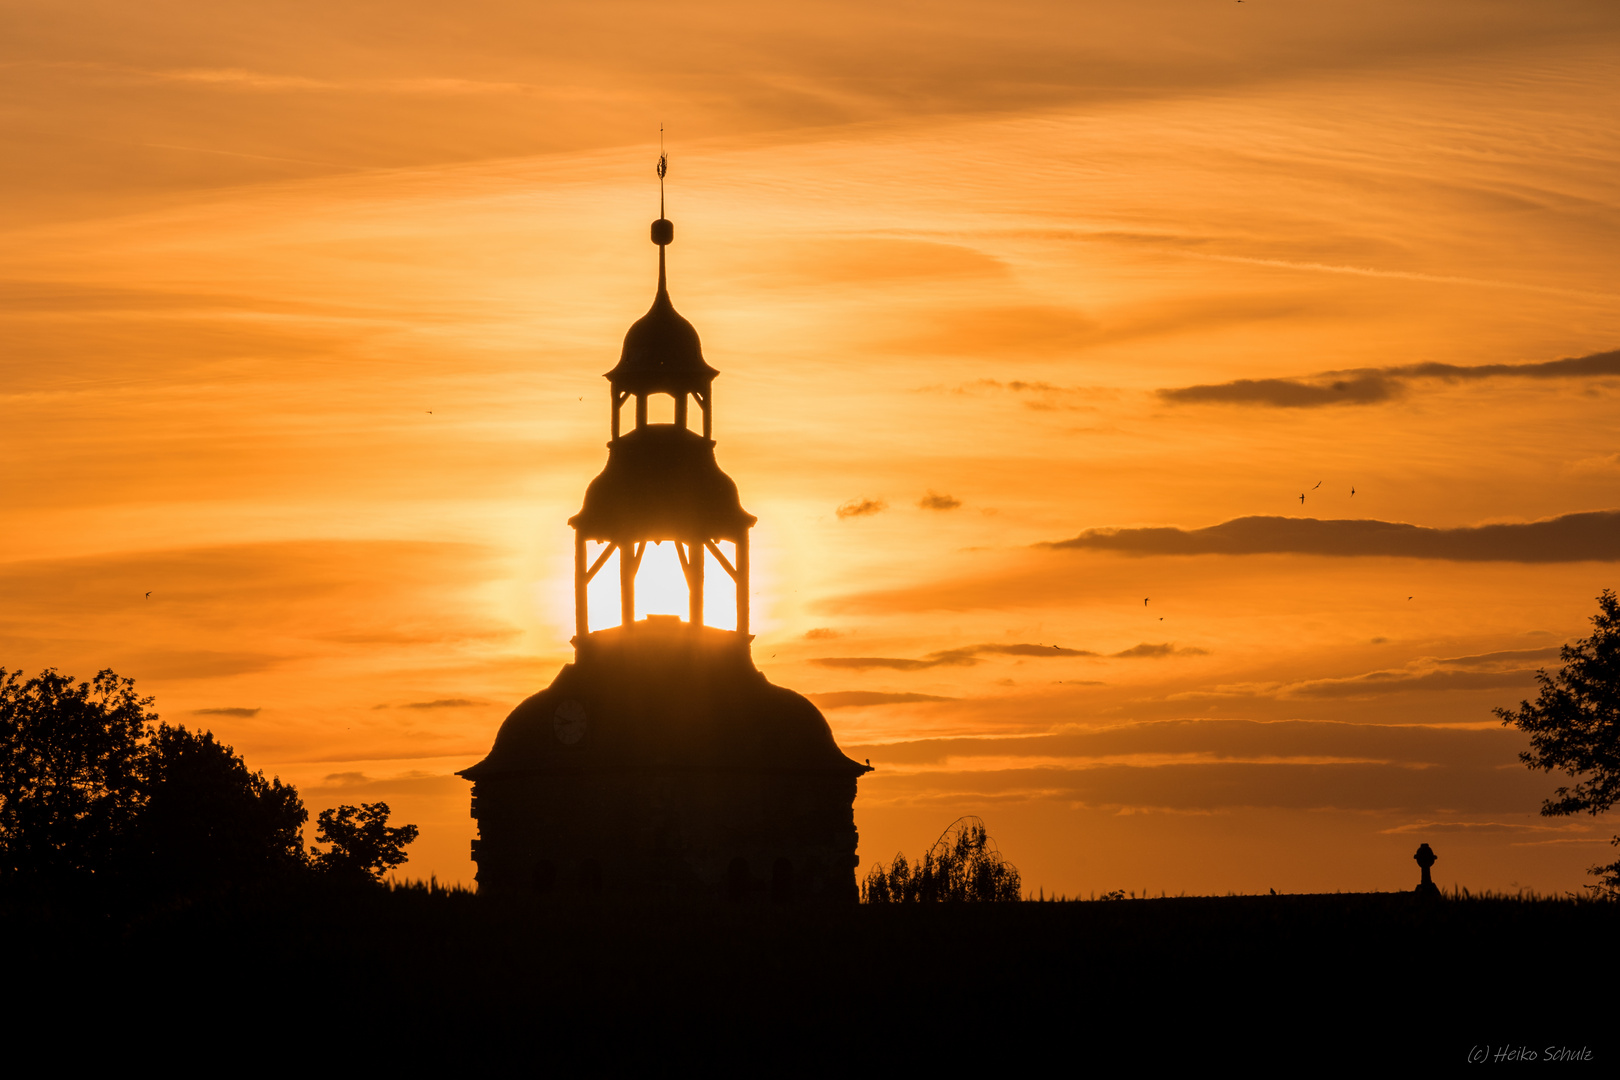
(637, 832)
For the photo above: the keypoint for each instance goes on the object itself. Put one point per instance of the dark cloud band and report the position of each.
(968, 655)
(1593, 536)
(1370, 386)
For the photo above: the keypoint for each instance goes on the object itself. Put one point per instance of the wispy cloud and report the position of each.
(1486, 671)
(229, 711)
(1368, 386)
(969, 655)
(1165, 649)
(1603, 463)
(1429, 772)
(235, 78)
(244, 79)
(1257, 741)
(1037, 394)
(862, 508)
(1479, 827)
(1594, 535)
(854, 699)
(935, 501)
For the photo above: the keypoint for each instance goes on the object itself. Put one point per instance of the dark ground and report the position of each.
(412, 978)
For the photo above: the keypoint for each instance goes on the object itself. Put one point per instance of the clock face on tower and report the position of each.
(569, 723)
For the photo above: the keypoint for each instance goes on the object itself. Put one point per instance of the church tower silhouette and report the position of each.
(661, 761)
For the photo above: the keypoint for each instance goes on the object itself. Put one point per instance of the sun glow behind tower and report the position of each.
(661, 586)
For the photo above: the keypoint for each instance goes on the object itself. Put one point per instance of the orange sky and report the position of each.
(304, 313)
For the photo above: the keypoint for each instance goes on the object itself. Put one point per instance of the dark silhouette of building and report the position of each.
(661, 760)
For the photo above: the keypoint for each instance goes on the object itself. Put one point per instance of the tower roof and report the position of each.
(657, 695)
(662, 481)
(662, 353)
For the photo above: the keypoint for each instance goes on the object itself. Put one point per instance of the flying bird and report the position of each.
(1318, 484)
(1302, 498)
(1352, 493)
(1145, 599)
(149, 594)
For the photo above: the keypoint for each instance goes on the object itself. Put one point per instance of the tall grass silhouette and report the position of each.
(963, 865)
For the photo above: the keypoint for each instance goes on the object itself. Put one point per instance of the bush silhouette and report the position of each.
(363, 847)
(1574, 726)
(963, 865)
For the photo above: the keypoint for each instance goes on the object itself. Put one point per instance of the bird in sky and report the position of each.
(1145, 599)
(1318, 484)
(1302, 498)
(1352, 492)
(1409, 598)
(149, 594)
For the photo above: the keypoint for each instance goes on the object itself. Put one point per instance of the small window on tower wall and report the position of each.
(660, 409)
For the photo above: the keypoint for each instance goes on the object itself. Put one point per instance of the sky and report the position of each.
(1173, 427)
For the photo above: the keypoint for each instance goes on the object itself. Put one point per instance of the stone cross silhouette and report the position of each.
(1426, 858)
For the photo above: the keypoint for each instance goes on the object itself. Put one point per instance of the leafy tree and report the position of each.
(963, 865)
(69, 773)
(363, 847)
(90, 790)
(207, 821)
(1574, 725)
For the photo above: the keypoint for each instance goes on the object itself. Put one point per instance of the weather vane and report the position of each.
(663, 167)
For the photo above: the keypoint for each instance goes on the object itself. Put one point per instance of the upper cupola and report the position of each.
(662, 353)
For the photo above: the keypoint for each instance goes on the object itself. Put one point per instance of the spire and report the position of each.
(662, 353)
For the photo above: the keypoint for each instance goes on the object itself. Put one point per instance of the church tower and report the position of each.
(661, 761)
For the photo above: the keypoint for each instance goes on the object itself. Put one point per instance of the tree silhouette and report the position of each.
(363, 847)
(963, 865)
(69, 773)
(90, 790)
(1574, 725)
(207, 821)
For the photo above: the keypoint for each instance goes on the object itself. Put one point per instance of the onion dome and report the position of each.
(662, 353)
